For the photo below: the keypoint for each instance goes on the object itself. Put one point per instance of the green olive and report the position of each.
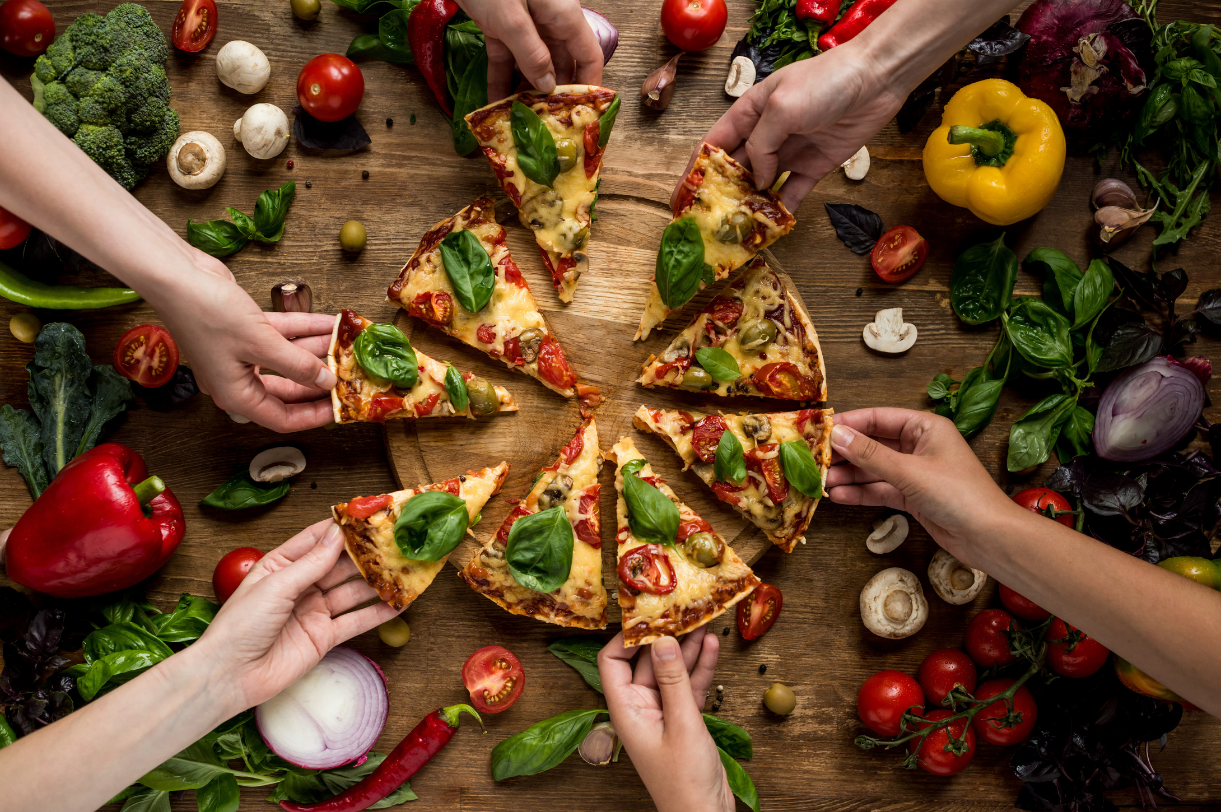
(779, 699)
(352, 237)
(566, 153)
(482, 396)
(758, 334)
(25, 327)
(306, 9)
(579, 239)
(529, 343)
(734, 227)
(703, 549)
(394, 632)
(698, 378)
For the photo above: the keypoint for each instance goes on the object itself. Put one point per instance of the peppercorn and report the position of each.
(716, 706)
(389, 121)
(290, 163)
(364, 175)
(313, 486)
(763, 668)
(726, 632)
(309, 184)
(859, 291)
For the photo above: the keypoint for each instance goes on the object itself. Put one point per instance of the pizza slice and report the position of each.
(507, 570)
(546, 151)
(773, 476)
(401, 540)
(376, 393)
(675, 572)
(720, 222)
(754, 339)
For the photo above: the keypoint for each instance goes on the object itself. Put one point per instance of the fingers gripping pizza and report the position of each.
(675, 572)
(546, 151)
(380, 377)
(401, 540)
(545, 561)
(769, 467)
(720, 222)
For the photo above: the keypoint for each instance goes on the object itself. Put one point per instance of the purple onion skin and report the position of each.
(1147, 410)
(607, 34)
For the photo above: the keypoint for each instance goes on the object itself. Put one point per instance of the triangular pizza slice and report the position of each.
(546, 151)
(570, 484)
(675, 572)
(720, 222)
(398, 547)
(428, 388)
(755, 338)
(770, 494)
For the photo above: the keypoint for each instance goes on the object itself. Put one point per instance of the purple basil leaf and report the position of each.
(858, 227)
(1173, 284)
(1209, 306)
(345, 135)
(1111, 494)
(42, 635)
(999, 40)
(180, 388)
(1142, 287)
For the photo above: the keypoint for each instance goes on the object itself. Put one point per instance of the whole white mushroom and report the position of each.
(953, 581)
(263, 130)
(196, 161)
(243, 67)
(893, 604)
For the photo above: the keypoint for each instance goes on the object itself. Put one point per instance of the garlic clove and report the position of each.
(741, 76)
(1116, 225)
(658, 88)
(856, 167)
(1113, 192)
(292, 296)
(598, 747)
(888, 333)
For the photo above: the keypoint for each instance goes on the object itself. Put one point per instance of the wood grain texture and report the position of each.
(819, 648)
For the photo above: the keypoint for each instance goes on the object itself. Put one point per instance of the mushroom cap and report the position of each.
(263, 130)
(953, 581)
(888, 333)
(888, 534)
(893, 604)
(243, 67)
(197, 144)
(276, 464)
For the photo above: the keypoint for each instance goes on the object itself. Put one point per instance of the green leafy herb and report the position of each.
(472, 94)
(270, 210)
(607, 121)
(630, 467)
(982, 281)
(730, 738)
(431, 525)
(1032, 438)
(469, 269)
(543, 745)
(1060, 277)
(21, 442)
(219, 795)
(535, 144)
(187, 622)
(242, 492)
(739, 782)
(729, 464)
(800, 469)
(1092, 293)
(221, 238)
(582, 654)
(651, 515)
(147, 800)
(680, 262)
(455, 387)
(1076, 435)
(1038, 333)
(539, 549)
(385, 353)
(719, 364)
(977, 400)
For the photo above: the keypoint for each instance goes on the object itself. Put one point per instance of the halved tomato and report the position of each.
(553, 366)
(647, 568)
(13, 230)
(784, 380)
(494, 678)
(758, 611)
(899, 254)
(706, 436)
(147, 355)
(195, 25)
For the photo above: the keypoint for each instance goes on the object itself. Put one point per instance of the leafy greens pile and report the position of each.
(221, 238)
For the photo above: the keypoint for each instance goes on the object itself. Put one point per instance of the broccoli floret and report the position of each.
(105, 146)
(135, 32)
(56, 61)
(93, 44)
(59, 106)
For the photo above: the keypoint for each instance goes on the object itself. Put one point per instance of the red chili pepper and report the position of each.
(102, 524)
(858, 18)
(412, 753)
(426, 36)
(820, 11)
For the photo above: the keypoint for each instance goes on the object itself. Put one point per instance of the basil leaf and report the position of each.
(1076, 434)
(582, 654)
(652, 517)
(539, 549)
(856, 226)
(729, 463)
(607, 121)
(1039, 333)
(469, 269)
(218, 795)
(117, 667)
(939, 387)
(630, 467)
(535, 145)
(800, 469)
(1061, 277)
(719, 364)
(680, 262)
(219, 238)
(730, 738)
(981, 284)
(392, 34)
(739, 782)
(976, 406)
(1032, 437)
(244, 222)
(455, 387)
(147, 800)
(345, 135)
(270, 210)
(1092, 293)
(370, 46)
(543, 745)
(242, 492)
(385, 353)
(472, 94)
(1123, 340)
(431, 525)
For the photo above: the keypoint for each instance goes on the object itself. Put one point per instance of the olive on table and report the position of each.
(394, 632)
(352, 237)
(757, 335)
(779, 699)
(482, 397)
(25, 327)
(306, 9)
(566, 153)
(703, 549)
(698, 378)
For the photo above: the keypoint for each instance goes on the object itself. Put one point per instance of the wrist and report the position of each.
(196, 674)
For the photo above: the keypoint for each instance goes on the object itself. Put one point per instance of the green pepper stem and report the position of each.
(450, 715)
(148, 490)
(988, 142)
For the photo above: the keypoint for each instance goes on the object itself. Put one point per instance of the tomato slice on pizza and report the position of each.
(675, 572)
(515, 563)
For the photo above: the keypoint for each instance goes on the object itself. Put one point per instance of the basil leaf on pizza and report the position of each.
(431, 525)
(729, 464)
(800, 469)
(651, 515)
(606, 122)
(718, 363)
(680, 262)
(539, 549)
(633, 467)
(536, 156)
(455, 387)
(384, 352)
(469, 269)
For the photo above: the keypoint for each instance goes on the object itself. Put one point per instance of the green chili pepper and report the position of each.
(26, 291)
(7, 736)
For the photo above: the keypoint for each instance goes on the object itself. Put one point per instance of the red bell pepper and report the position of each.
(426, 36)
(856, 20)
(820, 11)
(102, 524)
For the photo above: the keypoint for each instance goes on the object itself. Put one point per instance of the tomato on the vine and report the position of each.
(494, 678)
(899, 253)
(26, 27)
(884, 698)
(758, 611)
(232, 570)
(1046, 502)
(989, 722)
(195, 25)
(987, 639)
(330, 87)
(13, 230)
(1072, 653)
(1022, 607)
(147, 355)
(944, 670)
(694, 25)
(933, 756)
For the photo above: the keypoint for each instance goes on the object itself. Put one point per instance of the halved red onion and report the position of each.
(331, 716)
(607, 34)
(1147, 410)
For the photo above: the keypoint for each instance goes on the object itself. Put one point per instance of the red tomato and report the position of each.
(232, 570)
(990, 722)
(147, 355)
(362, 507)
(706, 435)
(13, 230)
(1021, 607)
(899, 254)
(330, 87)
(553, 366)
(1071, 653)
(944, 670)
(771, 471)
(758, 611)
(195, 25)
(647, 569)
(987, 641)
(784, 380)
(26, 28)
(884, 698)
(495, 679)
(933, 757)
(694, 25)
(1047, 502)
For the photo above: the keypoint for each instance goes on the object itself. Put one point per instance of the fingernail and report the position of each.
(326, 379)
(666, 648)
(842, 436)
(333, 534)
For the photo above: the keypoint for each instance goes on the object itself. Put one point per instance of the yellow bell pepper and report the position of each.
(997, 152)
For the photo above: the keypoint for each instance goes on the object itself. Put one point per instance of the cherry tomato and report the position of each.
(195, 25)
(899, 254)
(944, 670)
(1071, 653)
(784, 380)
(147, 355)
(694, 25)
(884, 698)
(758, 611)
(1047, 502)
(706, 435)
(13, 230)
(989, 722)
(26, 27)
(1024, 608)
(495, 679)
(647, 569)
(987, 641)
(330, 87)
(934, 757)
(553, 365)
(232, 570)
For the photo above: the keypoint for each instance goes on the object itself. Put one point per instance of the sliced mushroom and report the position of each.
(741, 76)
(953, 581)
(888, 534)
(276, 464)
(888, 333)
(758, 427)
(196, 161)
(893, 604)
(856, 167)
(555, 493)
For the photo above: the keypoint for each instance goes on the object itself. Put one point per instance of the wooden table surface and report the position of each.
(820, 647)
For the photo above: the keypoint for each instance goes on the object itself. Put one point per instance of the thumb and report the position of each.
(871, 456)
(674, 684)
(293, 362)
(307, 570)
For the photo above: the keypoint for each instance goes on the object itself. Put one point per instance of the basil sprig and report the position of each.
(543, 745)
(535, 145)
(719, 364)
(431, 525)
(680, 262)
(800, 469)
(242, 492)
(384, 352)
(455, 387)
(651, 515)
(729, 463)
(539, 549)
(469, 269)
(221, 238)
(607, 121)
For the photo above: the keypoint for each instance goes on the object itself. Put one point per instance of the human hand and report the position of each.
(549, 40)
(656, 714)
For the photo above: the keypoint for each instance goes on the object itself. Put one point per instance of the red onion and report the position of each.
(1147, 410)
(331, 716)
(607, 34)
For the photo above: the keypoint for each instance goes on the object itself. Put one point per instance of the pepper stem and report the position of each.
(988, 142)
(148, 490)
(450, 715)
